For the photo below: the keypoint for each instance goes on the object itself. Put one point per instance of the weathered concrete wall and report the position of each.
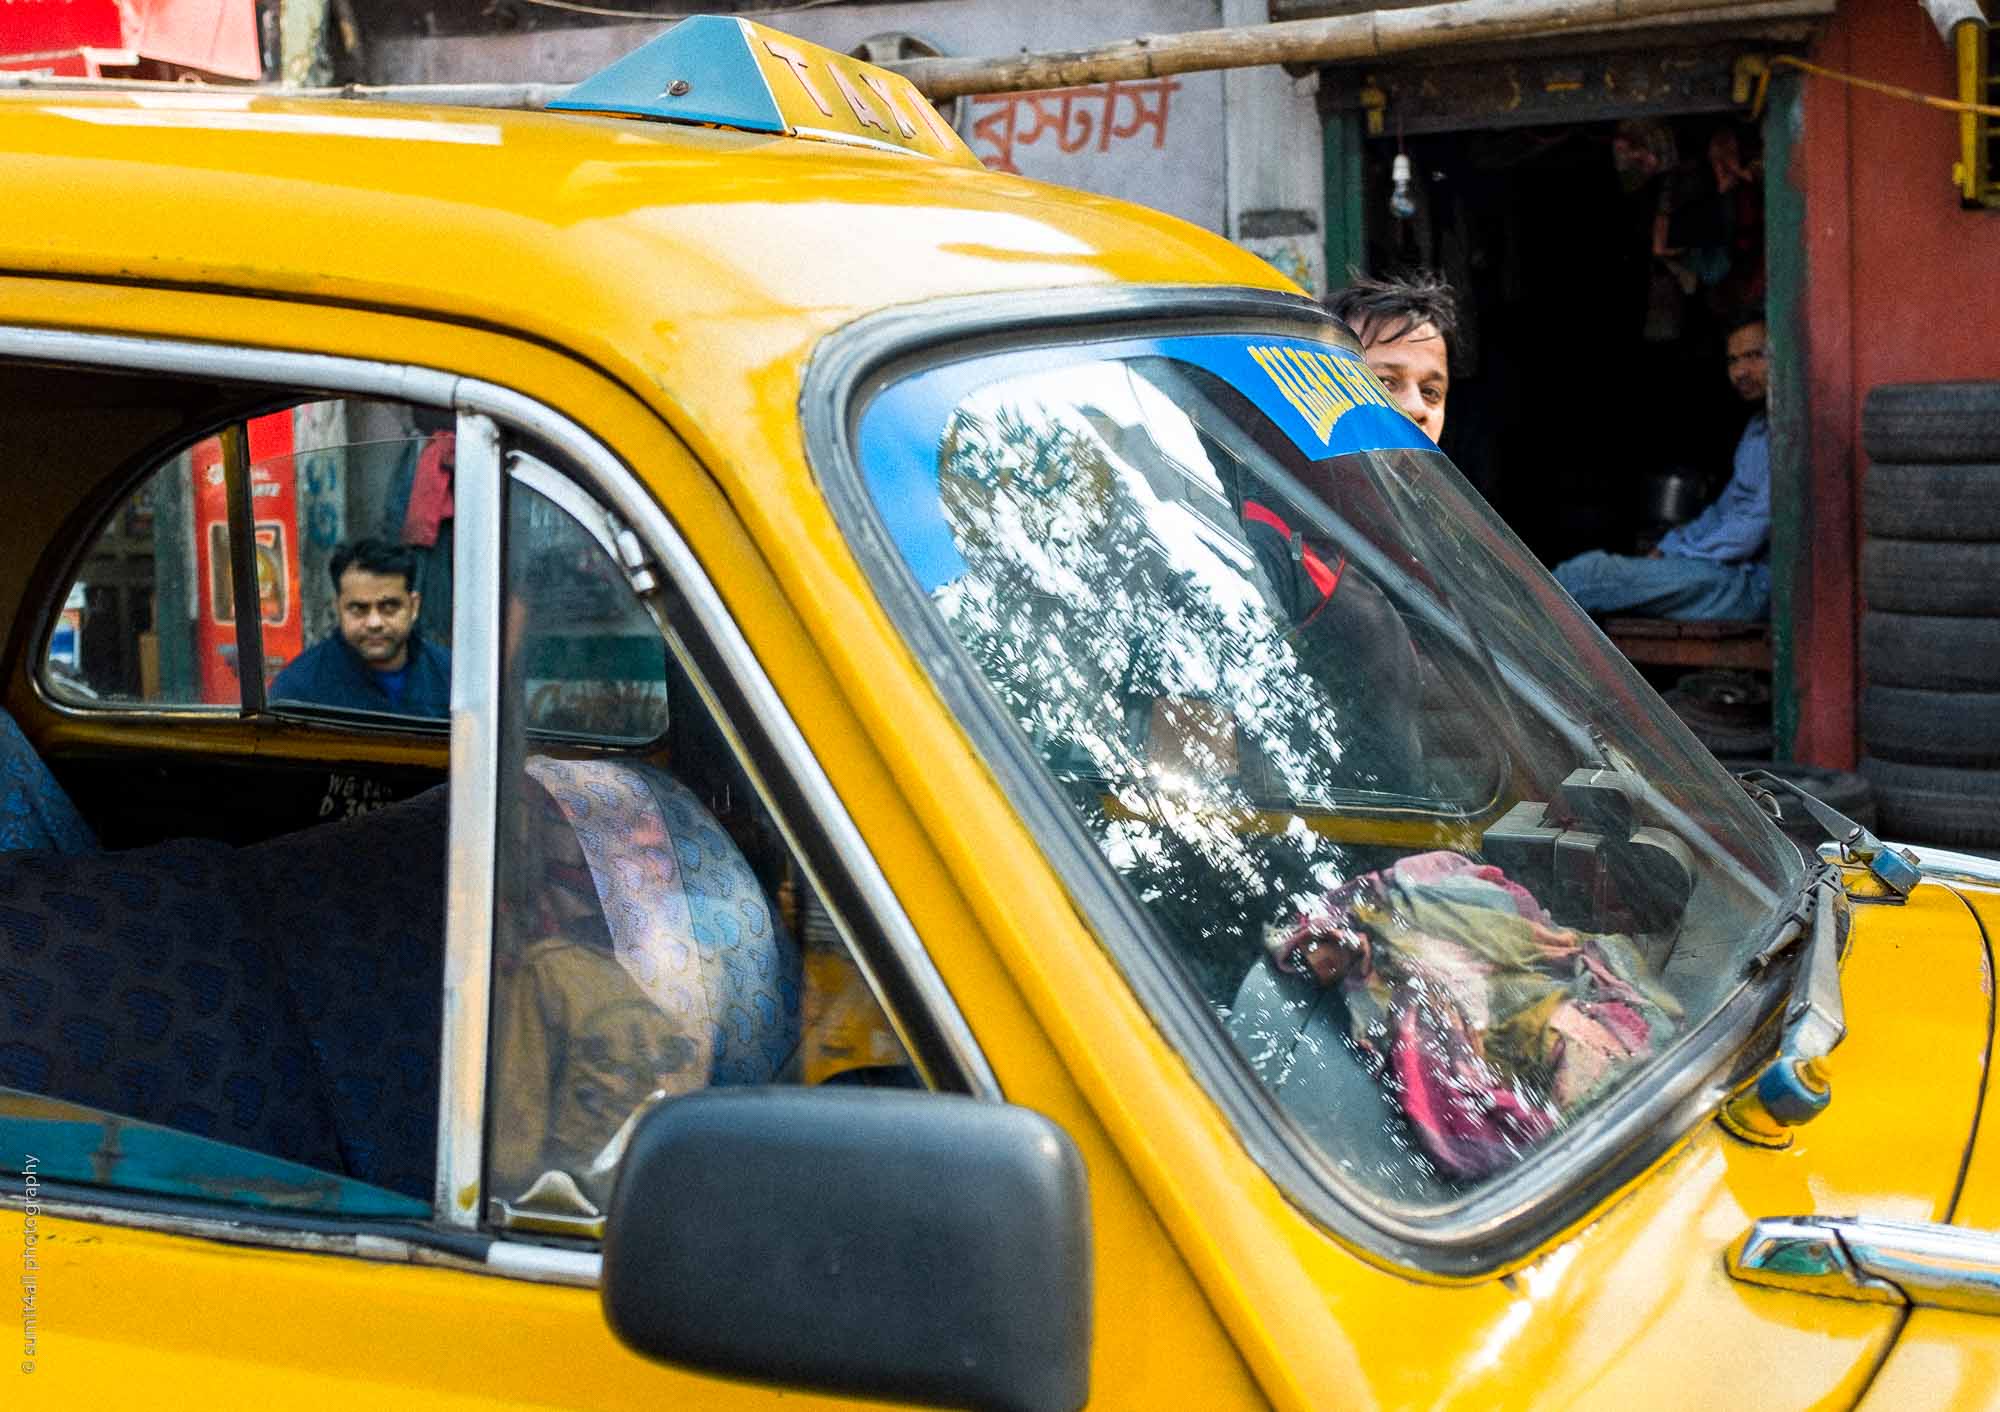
(1276, 173)
(1899, 288)
(1159, 143)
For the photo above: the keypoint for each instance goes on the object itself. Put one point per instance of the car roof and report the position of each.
(597, 234)
(696, 266)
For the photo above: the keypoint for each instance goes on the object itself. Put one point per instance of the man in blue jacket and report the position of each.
(377, 660)
(1716, 565)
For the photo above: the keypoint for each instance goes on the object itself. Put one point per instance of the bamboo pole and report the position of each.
(1374, 34)
(1370, 35)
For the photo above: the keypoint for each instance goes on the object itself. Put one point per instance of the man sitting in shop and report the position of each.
(1715, 566)
(376, 659)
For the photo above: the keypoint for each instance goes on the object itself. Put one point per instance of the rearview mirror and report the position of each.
(907, 1246)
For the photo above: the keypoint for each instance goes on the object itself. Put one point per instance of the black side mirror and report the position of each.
(908, 1246)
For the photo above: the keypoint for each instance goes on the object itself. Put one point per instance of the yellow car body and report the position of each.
(666, 288)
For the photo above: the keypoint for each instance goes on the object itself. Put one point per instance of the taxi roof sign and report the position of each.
(721, 71)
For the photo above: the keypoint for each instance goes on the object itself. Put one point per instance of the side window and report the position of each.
(348, 504)
(261, 1021)
(653, 934)
(258, 1020)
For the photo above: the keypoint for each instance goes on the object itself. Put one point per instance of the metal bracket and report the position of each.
(1374, 108)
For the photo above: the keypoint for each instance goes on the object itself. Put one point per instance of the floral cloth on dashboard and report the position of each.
(1488, 1022)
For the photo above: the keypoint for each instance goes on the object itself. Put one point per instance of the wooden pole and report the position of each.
(1375, 34)
(1370, 35)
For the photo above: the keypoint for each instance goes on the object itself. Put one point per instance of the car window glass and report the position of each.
(594, 664)
(1445, 878)
(150, 616)
(243, 1001)
(653, 934)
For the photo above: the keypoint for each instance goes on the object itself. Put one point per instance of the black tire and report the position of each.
(1945, 654)
(1931, 576)
(1932, 502)
(1733, 744)
(1738, 698)
(1933, 804)
(1932, 422)
(1921, 727)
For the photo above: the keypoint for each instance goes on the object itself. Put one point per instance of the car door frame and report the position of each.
(773, 751)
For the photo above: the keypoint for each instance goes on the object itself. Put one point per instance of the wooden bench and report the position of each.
(1660, 642)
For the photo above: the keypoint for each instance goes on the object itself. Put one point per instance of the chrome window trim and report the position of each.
(537, 1264)
(1504, 1220)
(477, 566)
(630, 502)
(566, 495)
(628, 498)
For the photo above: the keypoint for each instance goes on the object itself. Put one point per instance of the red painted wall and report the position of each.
(1902, 285)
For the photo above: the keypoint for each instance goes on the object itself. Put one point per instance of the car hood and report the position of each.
(1640, 1300)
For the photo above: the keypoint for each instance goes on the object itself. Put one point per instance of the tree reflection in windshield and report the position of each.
(1128, 635)
(1446, 873)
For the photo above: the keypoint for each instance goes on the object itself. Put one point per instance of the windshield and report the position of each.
(1439, 861)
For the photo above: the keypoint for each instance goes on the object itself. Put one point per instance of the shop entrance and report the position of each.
(1596, 265)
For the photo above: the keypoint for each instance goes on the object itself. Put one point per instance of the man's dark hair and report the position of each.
(1742, 318)
(374, 556)
(1395, 307)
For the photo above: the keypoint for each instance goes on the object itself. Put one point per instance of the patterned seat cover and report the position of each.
(139, 983)
(288, 997)
(688, 919)
(354, 911)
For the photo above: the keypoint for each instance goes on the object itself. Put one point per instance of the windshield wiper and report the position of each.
(1794, 1087)
(1899, 870)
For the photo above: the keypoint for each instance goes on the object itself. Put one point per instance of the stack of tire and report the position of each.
(1729, 712)
(1930, 638)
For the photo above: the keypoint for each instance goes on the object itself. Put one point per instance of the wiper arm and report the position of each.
(1794, 1087)
(1897, 869)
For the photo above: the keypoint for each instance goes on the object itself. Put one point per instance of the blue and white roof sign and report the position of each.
(719, 71)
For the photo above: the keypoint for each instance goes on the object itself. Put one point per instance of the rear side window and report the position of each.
(211, 1000)
(150, 617)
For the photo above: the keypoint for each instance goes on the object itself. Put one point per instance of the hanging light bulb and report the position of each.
(1402, 204)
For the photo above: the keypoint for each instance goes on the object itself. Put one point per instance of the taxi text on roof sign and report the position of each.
(727, 72)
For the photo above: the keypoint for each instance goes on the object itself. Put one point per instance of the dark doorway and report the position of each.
(1588, 365)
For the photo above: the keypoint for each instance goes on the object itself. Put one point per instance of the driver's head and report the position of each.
(1405, 326)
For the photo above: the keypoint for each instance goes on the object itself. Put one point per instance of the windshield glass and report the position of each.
(1439, 861)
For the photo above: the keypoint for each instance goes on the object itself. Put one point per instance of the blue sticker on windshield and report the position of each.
(1323, 398)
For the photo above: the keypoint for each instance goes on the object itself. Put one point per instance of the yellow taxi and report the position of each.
(689, 753)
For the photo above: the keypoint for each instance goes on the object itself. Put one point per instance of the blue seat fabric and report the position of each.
(288, 997)
(355, 912)
(136, 983)
(35, 814)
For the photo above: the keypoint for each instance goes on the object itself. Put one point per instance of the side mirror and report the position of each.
(907, 1246)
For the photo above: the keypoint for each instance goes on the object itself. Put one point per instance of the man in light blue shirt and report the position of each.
(1716, 566)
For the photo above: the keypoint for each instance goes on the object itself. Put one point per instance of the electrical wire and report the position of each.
(575, 8)
(1949, 105)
